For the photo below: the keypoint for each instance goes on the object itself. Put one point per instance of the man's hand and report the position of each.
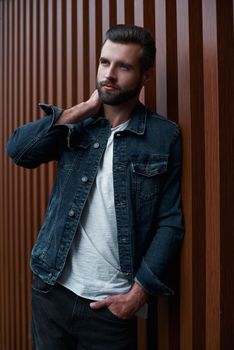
(83, 109)
(124, 305)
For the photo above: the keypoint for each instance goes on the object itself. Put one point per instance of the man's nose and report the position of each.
(110, 73)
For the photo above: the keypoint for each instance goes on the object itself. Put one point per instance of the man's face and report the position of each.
(119, 76)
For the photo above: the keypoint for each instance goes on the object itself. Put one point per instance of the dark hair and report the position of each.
(124, 34)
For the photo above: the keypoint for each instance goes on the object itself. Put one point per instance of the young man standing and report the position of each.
(114, 221)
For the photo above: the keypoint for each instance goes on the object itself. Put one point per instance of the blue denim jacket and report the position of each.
(146, 175)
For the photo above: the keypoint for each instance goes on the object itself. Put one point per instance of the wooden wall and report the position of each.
(48, 52)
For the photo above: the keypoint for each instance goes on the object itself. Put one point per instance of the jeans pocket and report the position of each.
(115, 317)
(40, 286)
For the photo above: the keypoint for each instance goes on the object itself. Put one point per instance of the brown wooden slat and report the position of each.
(16, 187)
(49, 52)
(2, 316)
(28, 175)
(212, 175)
(52, 68)
(139, 21)
(172, 61)
(10, 223)
(149, 24)
(92, 45)
(112, 12)
(22, 181)
(184, 112)
(86, 57)
(4, 218)
(198, 160)
(161, 57)
(120, 11)
(225, 24)
(129, 12)
(80, 51)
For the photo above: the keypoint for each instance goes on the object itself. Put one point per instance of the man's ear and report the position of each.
(147, 75)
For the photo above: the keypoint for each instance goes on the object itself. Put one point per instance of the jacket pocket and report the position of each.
(148, 174)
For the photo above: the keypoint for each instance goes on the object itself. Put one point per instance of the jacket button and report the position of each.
(71, 212)
(62, 247)
(84, 179)
(127, 273)
(96, 145)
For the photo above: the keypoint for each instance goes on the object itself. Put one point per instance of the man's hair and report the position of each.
(126, 34)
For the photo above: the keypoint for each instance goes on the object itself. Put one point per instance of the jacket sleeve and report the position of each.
(169, 230)
(40, 141)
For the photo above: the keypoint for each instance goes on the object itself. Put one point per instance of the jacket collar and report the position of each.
(137, 123)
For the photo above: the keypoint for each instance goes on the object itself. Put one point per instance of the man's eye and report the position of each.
(125, 67)
(122, 66)
(104, 63)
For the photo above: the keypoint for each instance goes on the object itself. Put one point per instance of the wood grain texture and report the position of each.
(49, 52)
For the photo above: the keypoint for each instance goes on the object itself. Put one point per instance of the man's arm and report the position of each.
(169, 230)
(43, 140)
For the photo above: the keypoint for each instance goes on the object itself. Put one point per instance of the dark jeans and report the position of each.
(61, 320)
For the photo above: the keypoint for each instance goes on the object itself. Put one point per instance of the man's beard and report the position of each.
(118, 96)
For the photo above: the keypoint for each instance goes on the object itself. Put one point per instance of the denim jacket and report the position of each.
(146, 176)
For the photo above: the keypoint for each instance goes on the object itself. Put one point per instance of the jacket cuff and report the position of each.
(150, 282)
(54, 111)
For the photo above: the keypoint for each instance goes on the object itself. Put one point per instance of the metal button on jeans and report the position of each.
(96, 145)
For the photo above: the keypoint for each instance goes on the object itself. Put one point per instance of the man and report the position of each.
(114, 221)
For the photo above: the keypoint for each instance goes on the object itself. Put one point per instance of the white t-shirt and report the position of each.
(92, 270)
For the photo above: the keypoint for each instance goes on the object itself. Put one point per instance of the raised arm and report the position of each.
(43, 140)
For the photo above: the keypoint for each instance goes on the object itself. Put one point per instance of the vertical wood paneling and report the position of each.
(80, 51)
(86, 57)
(22, 179)
(5, 168)
(172, 62)
(139, 21)
(28, 175)
(198, 171)
(161, 61)
(226, 124)
(2, 286)
(212, 175)
(120, 4)
(49, 52)
(15, 203)
(10, 178)
(149, 23)
(184, 112)
(95, 40)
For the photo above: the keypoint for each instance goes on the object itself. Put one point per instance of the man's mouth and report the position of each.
(109, 86)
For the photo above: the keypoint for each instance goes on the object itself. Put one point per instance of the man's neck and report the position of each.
(119, 114)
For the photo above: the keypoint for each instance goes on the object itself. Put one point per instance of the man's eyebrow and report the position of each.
(122, 63)
(125, 64)
(103, 59)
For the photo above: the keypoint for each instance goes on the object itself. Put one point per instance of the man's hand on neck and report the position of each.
(115, 114)
(78, 112)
